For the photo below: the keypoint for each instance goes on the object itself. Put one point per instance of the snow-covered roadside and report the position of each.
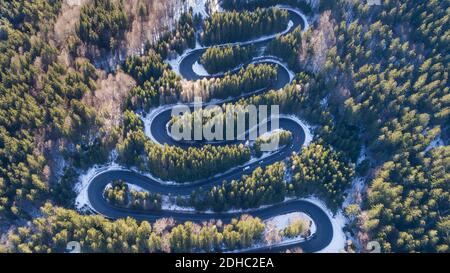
(199, 7)
(175, 63)
(82, 200)
(284, 220)
(168, 204)
(305, 126)
(200, 70)
(298, 12)
(338, 222)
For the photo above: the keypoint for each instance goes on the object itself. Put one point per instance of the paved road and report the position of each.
(324, 231)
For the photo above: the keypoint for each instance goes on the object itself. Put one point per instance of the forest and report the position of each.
(58, 226)
(218, 118)
(394, 63)
(42, 105)
(175, 163)
(377, 96)
(317, 170)
(282, 137)
(156, 83)
(103, 23)
(232, 83)
(221, 59)
(304, 5)
(247, 79)
(119, 194)
(322, 172)
(242, 26)
(287, 47)
(262, 187)
(181, 38)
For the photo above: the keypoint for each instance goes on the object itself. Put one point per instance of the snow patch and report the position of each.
(200, 70)
(169, 204)
(82, 200)
(305, 126)
(298, 12)
(284, 220)
(338, 222)
(198, 7)
(437, 142)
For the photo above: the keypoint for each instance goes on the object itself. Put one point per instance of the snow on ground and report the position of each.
(200, 70)
(169, 204)
(357, 187)
(437, 142)
(198, 7)
(82, 201)
(298, 12)
(338, 222)
(305, 126)
(362, 155)
(284, 220)
(175, 63)
(134, 187)
(214, 6)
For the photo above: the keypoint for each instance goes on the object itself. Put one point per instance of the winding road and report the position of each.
(156, 129)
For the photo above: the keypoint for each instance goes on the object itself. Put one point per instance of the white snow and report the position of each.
(306, 128)
(357, 186)
(338, 222)
(437, 142)
(284, 220)
(198, 7)
(168, 204)
(200, 70)
(362, 155)
(298, 12)
(134, 187)
(82, 200)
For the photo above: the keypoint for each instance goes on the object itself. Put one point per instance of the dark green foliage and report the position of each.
(120, 195)
(57, 227)
(170, 162)
(261, 188)
(156, 82)
(27, 16)
(41, 102)
(248, 79)
(222, 59)
(284, 138)
(62, 192)
(242, 26)
(252, 4)
(320, 171)
(175, 163)
(103, 23)
(181, 38)
(393, 61)
(287, 47)
(409, 203)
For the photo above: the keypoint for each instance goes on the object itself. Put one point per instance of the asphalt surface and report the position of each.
(324, 229)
